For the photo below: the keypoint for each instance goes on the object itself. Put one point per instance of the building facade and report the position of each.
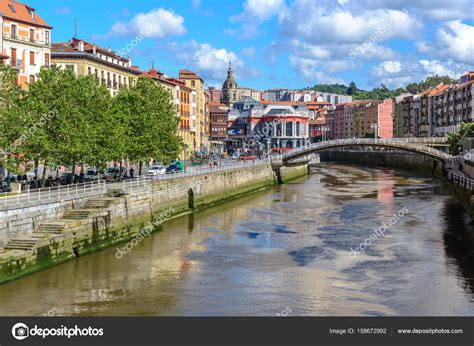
(182, 97)
(218, 115)
(266, 126)
(25, 41)
(84, 58)
(199, 120)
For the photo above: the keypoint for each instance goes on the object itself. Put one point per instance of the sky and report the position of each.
(279, 43)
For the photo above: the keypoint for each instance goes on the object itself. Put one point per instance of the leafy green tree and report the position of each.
(466, 130)
(11, 118)
(152, 122)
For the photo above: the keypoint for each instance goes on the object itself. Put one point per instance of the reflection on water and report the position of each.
(288, 247)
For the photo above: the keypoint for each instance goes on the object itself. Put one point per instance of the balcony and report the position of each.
(16, 63)
(26, 39)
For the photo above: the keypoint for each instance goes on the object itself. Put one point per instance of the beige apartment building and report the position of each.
(85, 58)
(199, 117)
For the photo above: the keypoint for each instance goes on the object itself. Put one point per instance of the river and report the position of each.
(283, 251)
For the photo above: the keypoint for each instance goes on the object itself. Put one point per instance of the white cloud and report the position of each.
(435, 67)
(158, 23)
(409, 69)
(211, 63)
(328, 23)
(308, 70)
(429, 9)
(451, 42)
(456, 38)
(260, 10)
(388, 67)
(254, 14)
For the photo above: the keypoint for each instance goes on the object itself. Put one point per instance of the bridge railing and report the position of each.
(462, 181)
(398, 143)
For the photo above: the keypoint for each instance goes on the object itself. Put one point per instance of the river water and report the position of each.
(284, 251)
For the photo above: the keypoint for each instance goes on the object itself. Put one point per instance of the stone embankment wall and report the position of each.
(402, 160)
(119, 216)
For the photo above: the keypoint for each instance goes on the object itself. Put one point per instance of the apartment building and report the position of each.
(218, 116)
(25, 41)
(85, 58)
(200, 122)
(451, 106)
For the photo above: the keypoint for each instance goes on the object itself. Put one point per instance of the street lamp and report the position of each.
(376, 127)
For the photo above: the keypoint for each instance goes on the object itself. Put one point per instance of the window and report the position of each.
(32, 79)
(32, 35)
(89, 70)
(193, 84)
(13, 31)
(46, 38)
(46, 59)
(12, 8)
(289, 129)
(13, 58)
(32, 58)
(70, 67)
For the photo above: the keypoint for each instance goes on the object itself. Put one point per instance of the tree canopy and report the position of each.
(64, 120)
(383, 92)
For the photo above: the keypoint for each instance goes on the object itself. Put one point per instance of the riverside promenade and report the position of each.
(39, 229)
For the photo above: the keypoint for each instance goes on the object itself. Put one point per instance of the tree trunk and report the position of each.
(140, 164)
(73, 177)
(43, 176)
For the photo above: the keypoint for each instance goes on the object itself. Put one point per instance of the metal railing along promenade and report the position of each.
(145, 181)
(53, 193)
(99, 187)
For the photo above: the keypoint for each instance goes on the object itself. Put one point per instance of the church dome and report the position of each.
(230, 82)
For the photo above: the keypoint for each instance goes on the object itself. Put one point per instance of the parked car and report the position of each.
(30, 176)
(115, 174)
(173, 168)
(94, 175)
(66, 178)
(156, 170)
(5, 186)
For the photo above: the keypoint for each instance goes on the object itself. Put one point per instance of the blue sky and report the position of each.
(279, 43)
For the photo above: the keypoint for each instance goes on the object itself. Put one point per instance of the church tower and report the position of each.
(230, 89)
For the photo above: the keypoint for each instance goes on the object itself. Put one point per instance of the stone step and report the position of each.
(77, 214)
(114, 193)
(21, 244)
(51, 226)
(97, 203)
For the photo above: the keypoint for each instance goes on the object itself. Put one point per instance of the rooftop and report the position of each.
(19, 11)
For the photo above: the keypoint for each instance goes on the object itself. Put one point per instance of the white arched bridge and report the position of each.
(420, 146)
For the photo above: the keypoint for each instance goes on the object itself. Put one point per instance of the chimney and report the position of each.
(80, 46)
(94, 50)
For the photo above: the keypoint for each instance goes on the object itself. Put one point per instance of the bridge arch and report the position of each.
(418, 147)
